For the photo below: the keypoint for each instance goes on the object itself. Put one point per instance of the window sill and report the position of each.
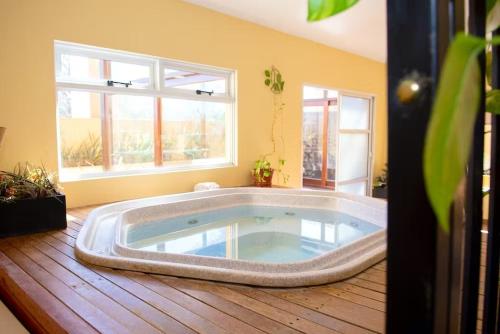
(142, 172)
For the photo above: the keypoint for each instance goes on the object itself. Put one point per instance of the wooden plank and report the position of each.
(38, 309)
(290, 320)
(367, 284)
(360, 291)
(296, 309)
(87, 291)
(61, 237)
(352, 297)
(74, 226)
(381, 265)
(70, 232)
(250, 317)
(183, 315)
(150, 314)
(60, 246)
(96, 318)
(371, 277)
(336, 307)
(377, 272)
(217, 317)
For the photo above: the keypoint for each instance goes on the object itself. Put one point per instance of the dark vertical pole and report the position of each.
(450, 245)
(490, 314)
(474, 198)
(417, 38)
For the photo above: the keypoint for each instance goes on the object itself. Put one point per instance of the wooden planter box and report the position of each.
(379, 192)
(27, 216)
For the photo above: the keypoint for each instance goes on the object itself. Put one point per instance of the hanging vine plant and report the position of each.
(455, 109)
(274, 80)
(262, 169)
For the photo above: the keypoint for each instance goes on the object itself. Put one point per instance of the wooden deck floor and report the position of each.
(51, 291)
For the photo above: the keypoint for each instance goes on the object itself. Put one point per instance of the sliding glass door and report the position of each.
(337, 140)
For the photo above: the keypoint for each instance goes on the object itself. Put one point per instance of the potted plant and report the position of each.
(30, 202)
(263, 171)
(380, 187)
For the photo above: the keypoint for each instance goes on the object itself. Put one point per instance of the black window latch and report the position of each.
(199, 92)
(112, 83)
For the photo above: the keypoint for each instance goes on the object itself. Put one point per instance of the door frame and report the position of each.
(371, 130)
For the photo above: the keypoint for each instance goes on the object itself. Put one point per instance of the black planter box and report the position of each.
(379, 192)
(27, 216)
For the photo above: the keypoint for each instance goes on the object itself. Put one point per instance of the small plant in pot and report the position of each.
(262, 173)
(30, 201)
(380, 186)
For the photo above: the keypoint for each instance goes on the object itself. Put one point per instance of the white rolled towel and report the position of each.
(206, 186)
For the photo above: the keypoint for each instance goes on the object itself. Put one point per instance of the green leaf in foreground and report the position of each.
(449, 135)
(321, 9)
(493, 101)
(490, 4)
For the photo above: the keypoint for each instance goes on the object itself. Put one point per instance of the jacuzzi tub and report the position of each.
(267, 237)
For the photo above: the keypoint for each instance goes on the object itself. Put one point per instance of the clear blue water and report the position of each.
(255, 233)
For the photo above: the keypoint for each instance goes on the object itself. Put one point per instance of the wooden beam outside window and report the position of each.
(158, 152)
(324, 164)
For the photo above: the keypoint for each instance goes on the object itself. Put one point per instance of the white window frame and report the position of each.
(155, 90)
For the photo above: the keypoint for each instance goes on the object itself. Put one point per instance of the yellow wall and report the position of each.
(171, 29)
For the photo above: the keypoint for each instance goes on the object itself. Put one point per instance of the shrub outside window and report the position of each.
(120, 113)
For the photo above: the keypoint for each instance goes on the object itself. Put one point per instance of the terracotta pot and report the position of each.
(263, 181)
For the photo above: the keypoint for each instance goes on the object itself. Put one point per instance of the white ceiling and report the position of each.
(360, 30)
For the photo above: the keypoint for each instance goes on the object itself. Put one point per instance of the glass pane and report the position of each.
(79, 69)
(138, 75)
(331, 233)
(193, 130)
(189, 80)
(79, 115)
(354, 113)
(83, 69)
(133, 131)
(332, 141)
(310, 229)
(313, 93)
(331, 94)
(313, 142)
(353, 188)
(353, 150)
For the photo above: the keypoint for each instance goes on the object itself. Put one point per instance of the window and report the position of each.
(120, 113)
